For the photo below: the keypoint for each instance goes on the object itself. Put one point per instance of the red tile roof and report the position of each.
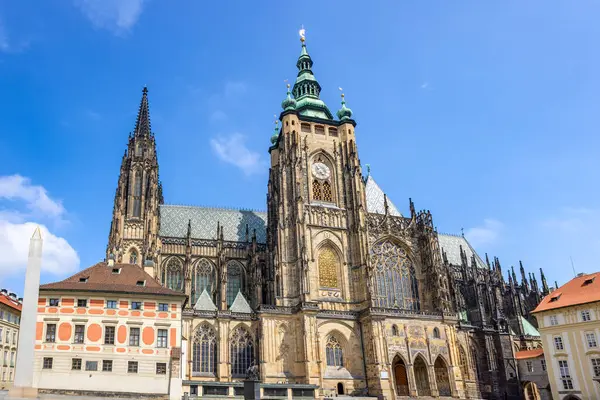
(580, 290)
(100, 278)
(520, 355)
(4, 299)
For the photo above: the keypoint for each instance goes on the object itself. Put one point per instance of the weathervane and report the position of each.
(302, 33)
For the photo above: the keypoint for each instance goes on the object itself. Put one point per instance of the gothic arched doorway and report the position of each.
(441, 376)
(531, 391)
(400, 377)
(421, 377)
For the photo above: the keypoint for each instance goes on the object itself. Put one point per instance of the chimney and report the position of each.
(12, 295)
(4, 291)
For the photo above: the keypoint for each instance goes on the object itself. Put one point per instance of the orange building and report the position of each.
(110, 328)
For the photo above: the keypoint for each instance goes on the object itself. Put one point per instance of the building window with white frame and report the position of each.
(132, 367)
(50, 333)
(47, 364)
(558, 343)
(161, 340)
(565, 375)
(553, 320)
(585, 316)
(596, 367)
(591, 340)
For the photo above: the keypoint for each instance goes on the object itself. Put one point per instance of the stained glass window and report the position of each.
(242, 352)
(202, 279)
(204, 351)
(333, 352)
(328, 266)
(235, 280)
(395, 281)
(174, 275)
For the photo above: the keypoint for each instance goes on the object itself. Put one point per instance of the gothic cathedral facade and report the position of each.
(332, 291)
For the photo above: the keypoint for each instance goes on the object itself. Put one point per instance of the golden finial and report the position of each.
(342, 90)
(276, 120)
(302, 33)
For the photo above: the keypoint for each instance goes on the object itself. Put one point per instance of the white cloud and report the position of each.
(17, 187)
(232, 149)
(58, 257)
(485, 235)
(117, 16)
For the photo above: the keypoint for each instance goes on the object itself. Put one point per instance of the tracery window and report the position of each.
(133, 256)
(242, 352)
(173, 275)
(316, 189)
(137, 194)
(333, 352)
(235, 280)
(204, 351)
(394, 275)
(462, 362)
(202, 279)
(327, 195)
(328, 268)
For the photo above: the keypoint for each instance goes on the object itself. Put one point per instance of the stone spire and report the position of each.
(142, 124)
(24, 382)
(524, 281)
(545, 289)
(306, 89)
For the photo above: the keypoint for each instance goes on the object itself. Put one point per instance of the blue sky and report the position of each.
(485, 114)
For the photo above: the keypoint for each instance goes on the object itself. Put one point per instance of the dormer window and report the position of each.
(588, 281)
(555, 298)
(83, 279)
(140, 283)
(116, 271)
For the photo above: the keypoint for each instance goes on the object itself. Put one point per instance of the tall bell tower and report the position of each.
(316, 200)
(135, 222)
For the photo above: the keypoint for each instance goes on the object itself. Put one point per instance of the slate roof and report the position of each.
(375, 199)
(174, 222)
(100, 278)
(574, 292)
(451, 245)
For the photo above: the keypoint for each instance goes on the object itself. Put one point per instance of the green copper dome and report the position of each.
(289, 103)
(344, 112)
(275, 135)
(306, 89)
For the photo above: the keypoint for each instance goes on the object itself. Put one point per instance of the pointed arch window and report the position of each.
(133, 257)
(204, 351)
(173, 275)
(235, 280)
(242, 352)
(462, 362)
(394, 330)
(333, 352)
(202, 279)
(395, 283)
(137, 194)
(316, 189)
(328, 268)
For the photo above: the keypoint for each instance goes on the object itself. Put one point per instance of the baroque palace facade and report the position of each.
(332, 290)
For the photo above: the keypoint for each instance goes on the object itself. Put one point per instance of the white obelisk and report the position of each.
(24, 385)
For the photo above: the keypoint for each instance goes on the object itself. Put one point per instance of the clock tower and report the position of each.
(316, 201)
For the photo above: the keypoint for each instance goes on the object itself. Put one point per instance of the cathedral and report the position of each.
(332, 291)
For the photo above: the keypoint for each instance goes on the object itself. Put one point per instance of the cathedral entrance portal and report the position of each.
(441, 377)
(401, 377)
(421, 377)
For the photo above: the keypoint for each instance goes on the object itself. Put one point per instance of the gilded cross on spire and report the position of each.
(302, 33)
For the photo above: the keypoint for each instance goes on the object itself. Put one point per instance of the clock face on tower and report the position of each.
(320, 170)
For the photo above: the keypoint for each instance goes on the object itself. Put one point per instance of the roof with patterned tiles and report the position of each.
(204, 221)
(451, 245)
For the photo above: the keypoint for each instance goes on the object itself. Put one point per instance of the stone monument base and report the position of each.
(23, 392)
(251, 389)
